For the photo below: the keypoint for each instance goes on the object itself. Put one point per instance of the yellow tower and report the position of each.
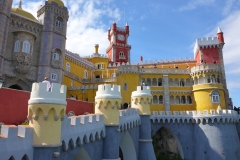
(208, 89)
(108, 102)
(128, 79)
(142, 99)
(45, 112)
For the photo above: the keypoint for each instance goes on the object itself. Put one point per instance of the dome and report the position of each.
(23, 13)
(59, 2)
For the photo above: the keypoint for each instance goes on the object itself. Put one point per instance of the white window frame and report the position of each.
(68, 67)
(215, 96)
(26, 47)
(17, 46)
(53, 76)
(100, 66)
(56, 55)
(85, 74)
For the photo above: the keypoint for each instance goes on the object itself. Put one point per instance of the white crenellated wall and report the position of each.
(206, 42)
(16, 141)
(82, 129)
(39, 94)
(224, 116)
(106, 91)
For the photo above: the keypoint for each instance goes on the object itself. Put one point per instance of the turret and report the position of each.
(53, 16)
(142, 99)
(5, 11)
(46, 110)
(127, 28)
(220, 36)
(96, 48)
(109, 30)
(208, 89)
(108, 102)
(114, 26)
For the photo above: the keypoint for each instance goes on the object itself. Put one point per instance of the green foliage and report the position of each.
(160, 153)
(25, 123)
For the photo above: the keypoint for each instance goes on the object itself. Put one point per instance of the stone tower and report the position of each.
(54, 16)
(46, 110)
(209, 51)
(5, 11)
(141, 99)
(119, 50)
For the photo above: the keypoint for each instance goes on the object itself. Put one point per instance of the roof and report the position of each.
(59, 2)
(23, 13)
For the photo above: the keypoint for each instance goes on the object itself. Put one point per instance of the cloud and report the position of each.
(228, 6)
(85, 25)
(195, 3)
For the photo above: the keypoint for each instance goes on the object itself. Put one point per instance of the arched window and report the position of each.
(160, 99)
(125, 86)
(208, 79)
(53, 76)
(149, 82)
(85, 74)
(182, 83)
(68, 67)
(177, 100)
(183, 100)
(176, 82)
(189, 99)
(159, 81)
(56, 55)
(154, 82)
(59, 22)
(215, 97)
(121, 54)
(17, 46)
(172, 100)
(195, 81)
(155, 99)
(170, 82)
(26, 47)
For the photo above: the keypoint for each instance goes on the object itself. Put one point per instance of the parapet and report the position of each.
(224, 116)
(128, 118)
(82, 129)
(39, 94)
(106, 91)
(205, 42)
(16, 141)
(142, 91)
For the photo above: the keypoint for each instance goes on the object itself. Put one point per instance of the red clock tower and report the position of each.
(119, 50)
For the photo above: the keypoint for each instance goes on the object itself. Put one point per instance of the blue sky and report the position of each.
(158, 29)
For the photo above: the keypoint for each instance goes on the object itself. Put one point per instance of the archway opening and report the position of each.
(120, 153)
(82, 154)
(15, 86)
(127, 147)
(125, 105)
(166, 145)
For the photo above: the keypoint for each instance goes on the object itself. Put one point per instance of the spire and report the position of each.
(20, 4)
(219, 30)
(127, 24)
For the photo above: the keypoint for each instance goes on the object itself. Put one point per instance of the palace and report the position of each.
(139, 111)
(32, 49)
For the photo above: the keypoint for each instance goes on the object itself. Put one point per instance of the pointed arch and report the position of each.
(127, 147)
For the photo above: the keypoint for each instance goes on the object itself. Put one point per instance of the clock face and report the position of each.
(120, 37)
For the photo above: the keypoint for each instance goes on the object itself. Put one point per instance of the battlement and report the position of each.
(142, 91)
(206, 67)
(205, 42)
(106, 91)
(218, 116)
(128, 119)
(39, 94)
(82, 129)
(16, 141)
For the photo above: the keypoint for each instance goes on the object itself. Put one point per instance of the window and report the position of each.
(68, 67)
(189, 99)
(215, 97)
(125, 86)
(59, 22)
(85, 74)
(26, 47)
(155, 100)
(113, 74)
(54, 76)
(182, 82)
(17, 46)
(183, 100)
(56, 55)
(99, 66)
(161, 99)
(121, 55)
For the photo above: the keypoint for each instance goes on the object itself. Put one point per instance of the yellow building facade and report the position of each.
(180, 84)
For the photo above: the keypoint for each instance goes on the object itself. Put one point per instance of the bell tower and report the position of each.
(118, 50)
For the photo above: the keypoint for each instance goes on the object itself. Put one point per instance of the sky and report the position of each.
(158, 29)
